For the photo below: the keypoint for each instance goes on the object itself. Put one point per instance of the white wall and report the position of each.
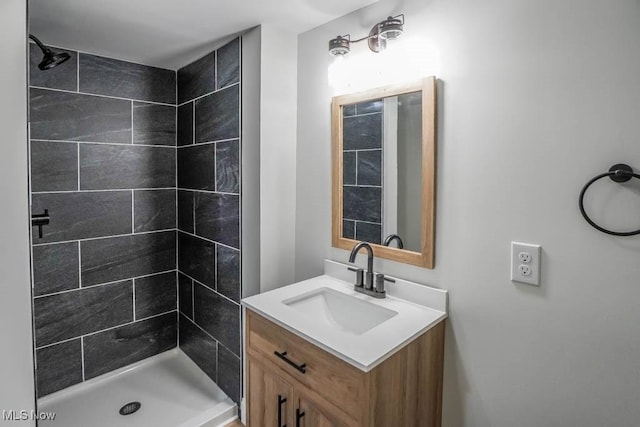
(535, 98)
(16, 356)
(278, 104)
(250, 164)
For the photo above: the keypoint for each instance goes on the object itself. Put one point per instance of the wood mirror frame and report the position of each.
(424, 258)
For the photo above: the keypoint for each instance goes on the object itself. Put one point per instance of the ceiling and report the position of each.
(170, 33)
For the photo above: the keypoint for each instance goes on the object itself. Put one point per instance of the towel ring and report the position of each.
(618, 173)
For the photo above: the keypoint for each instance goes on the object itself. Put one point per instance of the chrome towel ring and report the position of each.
(618, 173)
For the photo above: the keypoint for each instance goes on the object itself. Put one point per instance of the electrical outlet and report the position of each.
(524, 270)
(525, 263)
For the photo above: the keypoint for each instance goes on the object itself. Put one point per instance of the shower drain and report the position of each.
(130, 408)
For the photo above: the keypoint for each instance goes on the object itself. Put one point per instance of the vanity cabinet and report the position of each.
(322, 390)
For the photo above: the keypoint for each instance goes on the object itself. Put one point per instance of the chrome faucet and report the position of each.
(392, 237)
(368, 282)
(367, 286)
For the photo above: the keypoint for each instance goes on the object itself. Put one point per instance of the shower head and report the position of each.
(50, 59)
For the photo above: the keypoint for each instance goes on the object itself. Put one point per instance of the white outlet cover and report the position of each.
(534, 265)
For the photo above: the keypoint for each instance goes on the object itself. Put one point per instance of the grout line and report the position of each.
(193, 122)
(105, 237)
(215, 266)
(106, 329)
(133, 287)
(231, 351)
(193, 208)
(218, 361)
(209, 240)
(133, 212)
(131, 122)
(366, 222)
(103, 284)
(82, 356)
(346, 185)
(197, 144)
(362, 149)
(209, 93)
(212, 290)
(102, 96)
(193, 299)
(214, 338)
(78, 83)
(78, 154)
(209, 191)
(215, 167)
(79, 265)
(361, 185)
(104, 191)
(118, 144)
(361, 115)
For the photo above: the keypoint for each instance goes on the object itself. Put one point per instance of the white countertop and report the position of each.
(367, 350)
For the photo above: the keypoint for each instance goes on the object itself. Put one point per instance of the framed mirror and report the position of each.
(383, 178)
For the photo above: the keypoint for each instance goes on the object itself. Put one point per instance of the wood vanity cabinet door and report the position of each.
(271, 401)
(313, 413)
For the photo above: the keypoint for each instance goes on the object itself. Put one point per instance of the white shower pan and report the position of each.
(171, 389)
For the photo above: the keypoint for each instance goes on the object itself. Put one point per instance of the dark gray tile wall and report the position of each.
(56, 268)
(185, 211)
(197, 167)
(229, 370)
(66, 116)
(154, 124)
(155, 294)
(59, 366)
(120, 164)
(228, 64)
(54, 166)
(197, 79)
(228, 166)
(199, 346)
(363, 204)
(218, 218)
(185, 124)
(209, 212)
(154, 210)
(197, 259)
(185, 295)
(134, 255)
(103, 162)
(218, 115)
(218, 316)
(111, 167)
(118, 347)
(112, 77)
(362, 161)
(83, 215)
(80, 312)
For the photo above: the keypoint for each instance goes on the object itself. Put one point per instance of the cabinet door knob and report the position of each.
(299, 415)
(281, 401)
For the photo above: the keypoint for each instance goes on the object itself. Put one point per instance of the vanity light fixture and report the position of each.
(389, 29)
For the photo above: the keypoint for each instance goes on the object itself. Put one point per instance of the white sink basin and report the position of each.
(340, 311)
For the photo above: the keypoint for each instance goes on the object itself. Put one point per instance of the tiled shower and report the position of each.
(139, 170)
(209, 214)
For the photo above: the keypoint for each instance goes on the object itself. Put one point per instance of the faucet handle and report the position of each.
(380, 279)
(359, 276)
